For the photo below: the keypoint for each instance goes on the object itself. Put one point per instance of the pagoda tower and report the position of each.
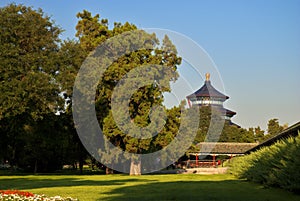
(207, 95)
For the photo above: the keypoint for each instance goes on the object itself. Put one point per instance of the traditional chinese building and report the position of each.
(207, 95)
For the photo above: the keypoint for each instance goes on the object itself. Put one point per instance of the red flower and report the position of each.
(17, 192)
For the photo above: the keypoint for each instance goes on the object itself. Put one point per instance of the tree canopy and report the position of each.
(32, 60)
(28, 60)
(91, 32)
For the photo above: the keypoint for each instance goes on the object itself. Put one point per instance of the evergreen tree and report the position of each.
(259, 134)
(91, 32)
(247, 135)
(273, 128)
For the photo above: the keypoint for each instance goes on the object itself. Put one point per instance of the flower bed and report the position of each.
(15, 195)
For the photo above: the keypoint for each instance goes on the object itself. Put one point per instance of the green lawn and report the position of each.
(148, 187)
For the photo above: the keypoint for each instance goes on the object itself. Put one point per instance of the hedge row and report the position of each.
(277, 165)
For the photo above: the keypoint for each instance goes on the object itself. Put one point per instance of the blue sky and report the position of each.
(255, 45)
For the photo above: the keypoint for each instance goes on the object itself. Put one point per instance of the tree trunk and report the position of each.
(81, 166)
(135, 167)
(35, 166)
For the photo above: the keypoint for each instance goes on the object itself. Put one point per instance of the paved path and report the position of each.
(206, 170)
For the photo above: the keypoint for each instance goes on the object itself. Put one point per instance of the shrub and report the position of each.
(277, 165)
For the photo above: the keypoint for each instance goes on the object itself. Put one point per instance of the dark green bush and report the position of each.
(277, 165)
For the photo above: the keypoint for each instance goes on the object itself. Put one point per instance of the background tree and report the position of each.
(273, 128)
(247, 135)
(230, 133)
(210, 119)
(205, 117)
(70, 58)
(259, 134)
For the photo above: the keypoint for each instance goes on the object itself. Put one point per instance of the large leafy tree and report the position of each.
(92, 31)
(29, 43)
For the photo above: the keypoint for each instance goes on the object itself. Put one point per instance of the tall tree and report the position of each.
(28, 70)
(205, 118)
(91, 32)
(29, 45)
(274, 128)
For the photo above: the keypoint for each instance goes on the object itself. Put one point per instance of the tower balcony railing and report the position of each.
(200, 164)
(207, 102)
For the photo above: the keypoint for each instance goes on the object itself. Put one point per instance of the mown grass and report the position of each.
(146, 187)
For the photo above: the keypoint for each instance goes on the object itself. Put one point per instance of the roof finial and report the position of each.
(207, 75)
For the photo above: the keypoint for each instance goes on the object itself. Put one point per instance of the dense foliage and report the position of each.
(28, 60)
(277, 165)
(32, 136)
(230, 132)
(37, 75)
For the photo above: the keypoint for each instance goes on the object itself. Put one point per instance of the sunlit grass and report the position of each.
(146, 187)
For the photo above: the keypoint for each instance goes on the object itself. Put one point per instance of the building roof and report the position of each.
(207, 90)
(229, 113)
(224, 147)
(291, 131)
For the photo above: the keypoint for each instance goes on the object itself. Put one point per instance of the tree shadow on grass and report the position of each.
(228, 190)
(32, 183)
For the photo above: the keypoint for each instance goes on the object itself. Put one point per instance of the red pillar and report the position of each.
(196, 160)
(189, 103)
